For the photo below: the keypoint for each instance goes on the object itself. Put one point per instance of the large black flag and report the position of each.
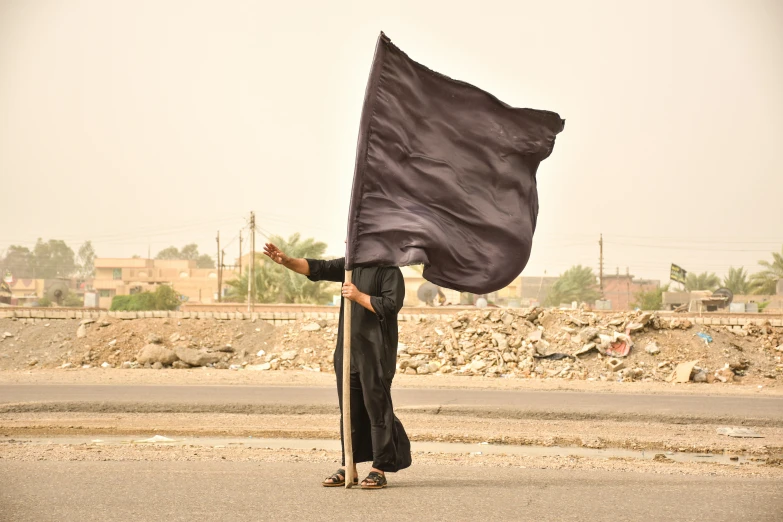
(445, 177)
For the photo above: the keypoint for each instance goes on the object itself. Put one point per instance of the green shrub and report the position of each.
(163, 298)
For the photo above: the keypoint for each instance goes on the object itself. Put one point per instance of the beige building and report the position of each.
(118, 276)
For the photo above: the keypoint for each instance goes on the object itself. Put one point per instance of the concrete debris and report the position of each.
(153, 353)
(153, 338)
(589, 347)
(311, 327)
(87, 321)
(180, 365)
(532, 343)
(196, 357)
(81, 332)
(106, 365)
(615, 364)
(258, 367)
(739, 433)
(699, 375)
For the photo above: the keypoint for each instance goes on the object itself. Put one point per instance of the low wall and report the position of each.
(282, 314)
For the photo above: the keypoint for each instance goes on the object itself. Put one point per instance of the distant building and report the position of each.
(118, 276)
(26, 292)
(621, 290)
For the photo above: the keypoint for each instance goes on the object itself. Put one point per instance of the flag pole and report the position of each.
(347, 439)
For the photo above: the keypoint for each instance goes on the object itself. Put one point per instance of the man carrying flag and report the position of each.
(445, 177)
(376, 296)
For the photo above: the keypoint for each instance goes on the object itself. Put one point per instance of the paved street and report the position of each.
(762, 410)
(228, 491)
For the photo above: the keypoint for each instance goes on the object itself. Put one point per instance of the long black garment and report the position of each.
(377, 434)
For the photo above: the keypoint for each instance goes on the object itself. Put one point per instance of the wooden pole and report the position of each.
(347, 440)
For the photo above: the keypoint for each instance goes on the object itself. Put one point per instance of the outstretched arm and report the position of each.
(298, 265)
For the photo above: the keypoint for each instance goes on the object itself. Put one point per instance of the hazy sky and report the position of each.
(151, 123)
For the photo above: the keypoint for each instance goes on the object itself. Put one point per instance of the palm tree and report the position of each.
(274, 283)
(765, 282)
(576, 284)
(737, 281)
(703, 281)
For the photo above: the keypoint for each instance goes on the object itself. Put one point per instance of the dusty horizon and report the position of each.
(155, 124)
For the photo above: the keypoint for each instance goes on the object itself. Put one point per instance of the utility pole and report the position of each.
(252, 274)
(601, 264)
(219, 274)
(240, 253)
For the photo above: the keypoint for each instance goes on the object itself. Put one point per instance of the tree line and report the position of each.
(579, 284)
(54, 259)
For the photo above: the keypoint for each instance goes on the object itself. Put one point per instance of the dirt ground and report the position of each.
(210, 376)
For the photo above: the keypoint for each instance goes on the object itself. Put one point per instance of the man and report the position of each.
(376, 297)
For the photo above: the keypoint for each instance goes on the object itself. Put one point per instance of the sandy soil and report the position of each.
(209, 376)
(19, 450)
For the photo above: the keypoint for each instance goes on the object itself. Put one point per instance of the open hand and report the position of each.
(275, 254)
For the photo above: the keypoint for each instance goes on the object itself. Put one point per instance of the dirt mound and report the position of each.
(532, 343)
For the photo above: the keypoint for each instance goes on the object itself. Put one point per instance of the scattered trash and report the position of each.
(155, 439)
(682, 373)
(261, 353)
(707, 338)
(652, 349)
(554, 356)
(746, 433)
(618, 349)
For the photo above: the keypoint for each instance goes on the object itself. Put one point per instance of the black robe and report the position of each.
(377, 434)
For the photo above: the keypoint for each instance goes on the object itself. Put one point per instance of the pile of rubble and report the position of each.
(523, 343)
(538, 343)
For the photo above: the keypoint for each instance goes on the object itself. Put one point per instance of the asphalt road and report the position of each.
(559, 404)
(231, 491)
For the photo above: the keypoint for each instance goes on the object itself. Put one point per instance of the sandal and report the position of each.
(337, 479)
(374, 480)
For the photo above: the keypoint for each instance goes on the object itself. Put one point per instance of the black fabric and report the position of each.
(377, 434)
(445, 176)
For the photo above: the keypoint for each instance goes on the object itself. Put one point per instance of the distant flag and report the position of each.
(678, 274)
(445, 177)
